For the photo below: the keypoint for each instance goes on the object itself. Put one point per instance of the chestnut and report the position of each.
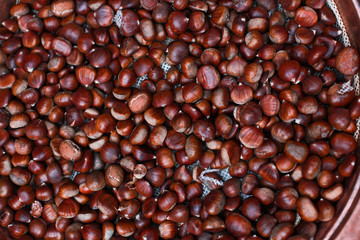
(238, 225)
(343, 143)
(167, 200)
(208, 77)
(307, 209)
(168, 229)
(270, 105)
(251, 208)
(251, 136)
(241, 94)
(347, 61)
(306, 16)
(326, 210)
(214, 202)
(68, 208)
(289, 70)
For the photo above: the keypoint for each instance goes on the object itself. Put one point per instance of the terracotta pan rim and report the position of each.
(333, 230)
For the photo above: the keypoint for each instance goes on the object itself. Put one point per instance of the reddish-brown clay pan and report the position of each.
(345, 223)
(347, 217)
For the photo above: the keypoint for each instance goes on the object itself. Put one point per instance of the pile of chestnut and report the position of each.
(262, 91)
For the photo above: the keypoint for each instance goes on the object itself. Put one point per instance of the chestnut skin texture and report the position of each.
(119, 119)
